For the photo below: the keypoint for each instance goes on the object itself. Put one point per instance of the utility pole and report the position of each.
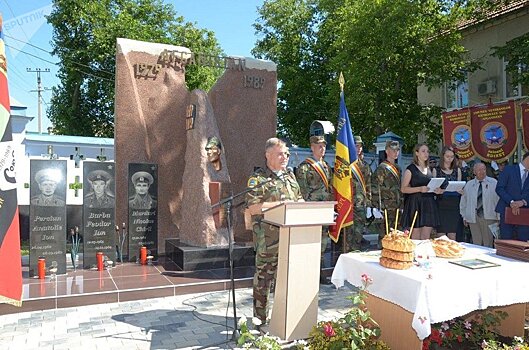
(39, 92)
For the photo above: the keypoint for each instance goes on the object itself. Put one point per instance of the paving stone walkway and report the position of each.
(194, 321)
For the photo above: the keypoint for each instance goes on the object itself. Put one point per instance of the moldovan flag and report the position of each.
(345, 156)
(10, 262)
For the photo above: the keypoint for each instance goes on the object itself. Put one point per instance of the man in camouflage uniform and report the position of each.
(268, 187)
(361, 182)
(314, 176)
(386, 186)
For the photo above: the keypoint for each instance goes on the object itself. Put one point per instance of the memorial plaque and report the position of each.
(98, 212)
(47, 214)
(143, 209)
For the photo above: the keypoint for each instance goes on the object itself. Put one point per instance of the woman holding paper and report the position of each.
(417, 198)
(448, 202)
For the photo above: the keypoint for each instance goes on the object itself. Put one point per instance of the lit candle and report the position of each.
(386, 220)
(413, 222)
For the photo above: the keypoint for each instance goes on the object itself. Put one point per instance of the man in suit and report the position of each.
(513, 190)
(477, 206)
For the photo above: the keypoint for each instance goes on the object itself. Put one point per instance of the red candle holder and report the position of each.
(99, 256)
(42, 268)
(143, 255)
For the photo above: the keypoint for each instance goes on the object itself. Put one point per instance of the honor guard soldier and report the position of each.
(386, 185)
(142, 181)
(314, 177)
(47, 180)
(267, 188)
(99, 196)
(361, 182)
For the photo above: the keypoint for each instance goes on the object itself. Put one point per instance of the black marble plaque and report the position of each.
(98, 212)
(47, 214)
(143, 209)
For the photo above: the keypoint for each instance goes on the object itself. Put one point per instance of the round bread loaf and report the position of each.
(398, 243)
(395, 264)
(447, 248)
(395, 255)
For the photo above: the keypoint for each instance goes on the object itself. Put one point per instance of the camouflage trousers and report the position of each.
(266, 255)
(354, 233)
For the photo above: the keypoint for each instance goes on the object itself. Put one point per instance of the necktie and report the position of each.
(479, 203)
(524, 177)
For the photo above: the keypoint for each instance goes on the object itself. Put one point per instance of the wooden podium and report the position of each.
(295, 309)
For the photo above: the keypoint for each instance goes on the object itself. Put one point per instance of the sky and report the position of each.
(25, 22)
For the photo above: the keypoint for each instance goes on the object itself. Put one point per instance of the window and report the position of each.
(456, 94)
(514, 90)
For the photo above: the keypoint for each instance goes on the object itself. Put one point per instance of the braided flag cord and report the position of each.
(10, 262)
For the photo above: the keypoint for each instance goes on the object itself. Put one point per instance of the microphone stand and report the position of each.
(228, 201)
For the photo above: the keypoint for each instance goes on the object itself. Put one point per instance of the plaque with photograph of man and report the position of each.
(98, 212)
(143, 209)
(47, 214)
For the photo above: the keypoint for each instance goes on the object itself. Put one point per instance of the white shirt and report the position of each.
(467, 206)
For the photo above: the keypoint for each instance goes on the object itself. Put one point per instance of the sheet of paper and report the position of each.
(454, 186)
(434, 183)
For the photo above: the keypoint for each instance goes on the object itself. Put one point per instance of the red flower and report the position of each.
(328, 330)
(459, 339)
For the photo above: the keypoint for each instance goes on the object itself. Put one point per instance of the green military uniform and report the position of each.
(310, 175)
(361, 181)
(386, 192)
(283, 186)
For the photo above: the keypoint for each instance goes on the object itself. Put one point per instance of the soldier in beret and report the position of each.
(47, 180)
(386, 185)
(314, 177)
(267, 188)
(142, 180)
(99, 197)
(213, 150)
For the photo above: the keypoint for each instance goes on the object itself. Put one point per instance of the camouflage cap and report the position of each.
(317, 139)
(142, 176)
(98, 175)
(358, 139)
(48, 175)
(395, 145)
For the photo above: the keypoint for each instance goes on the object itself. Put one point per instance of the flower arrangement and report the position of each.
(355, 330)
(518, 343)
(76, 241)
(249, 340)
(465, 333)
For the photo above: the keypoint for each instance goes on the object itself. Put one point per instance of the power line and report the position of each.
(44, 50)
(27, 53)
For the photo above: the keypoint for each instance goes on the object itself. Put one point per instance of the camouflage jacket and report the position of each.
(385, 186)
(311, 183)
(283, 187)
(362, 192)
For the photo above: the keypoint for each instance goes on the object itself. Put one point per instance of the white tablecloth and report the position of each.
(445, 290)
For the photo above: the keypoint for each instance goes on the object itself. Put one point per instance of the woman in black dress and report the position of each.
(416, 196)
(448, 202)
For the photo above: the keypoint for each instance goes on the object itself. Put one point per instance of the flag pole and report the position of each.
(343, 234)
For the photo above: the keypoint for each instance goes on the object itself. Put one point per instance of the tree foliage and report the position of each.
(84, 39)
(385, 49)
(516, 52)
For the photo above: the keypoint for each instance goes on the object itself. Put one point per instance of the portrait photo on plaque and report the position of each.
(99, 185)
(143, 186)
(48, 183)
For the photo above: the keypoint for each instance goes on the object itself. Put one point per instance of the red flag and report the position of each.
(345, 156)
(10, 262)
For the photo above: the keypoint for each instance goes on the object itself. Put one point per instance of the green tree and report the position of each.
(385, 48)
(516, 52)
(84, 39)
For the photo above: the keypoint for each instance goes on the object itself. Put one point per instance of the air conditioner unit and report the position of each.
(488, 87)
